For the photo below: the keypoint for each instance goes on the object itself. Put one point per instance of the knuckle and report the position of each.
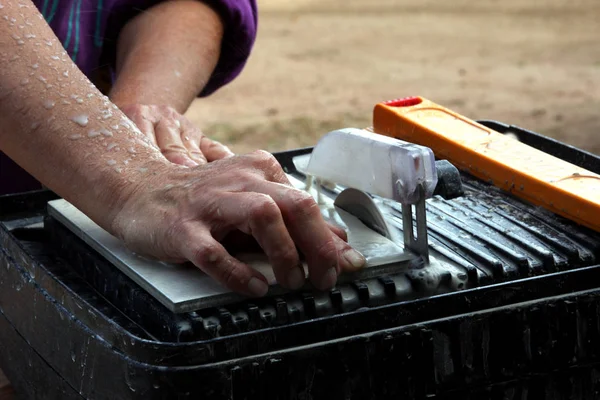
(134, 112)
(229, 274)
(281, 177)
(327, 250)
(287, 255)
(303, 205)
(207, 255)
(168, 111)
(266, 160)
(142, 110)
(197, 154)
(174, 148)
(264, 211)
(243, 176)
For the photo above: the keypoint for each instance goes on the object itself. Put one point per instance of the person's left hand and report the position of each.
(180, 141)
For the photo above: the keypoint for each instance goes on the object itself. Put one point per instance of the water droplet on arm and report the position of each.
(111, 162)
(92, 133)
(75, 137)
(81, 120)
(49, 104)
(24, 81)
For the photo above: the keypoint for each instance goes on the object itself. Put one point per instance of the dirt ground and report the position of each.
(322, 65)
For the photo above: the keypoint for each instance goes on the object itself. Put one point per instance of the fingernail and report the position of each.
(191, 163)
(355, 259)
(295, 278)
(257, 287)
(329, 279)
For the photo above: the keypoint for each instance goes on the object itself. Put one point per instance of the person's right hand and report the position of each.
(181, 214)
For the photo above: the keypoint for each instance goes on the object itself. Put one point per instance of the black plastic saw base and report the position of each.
(518, 317)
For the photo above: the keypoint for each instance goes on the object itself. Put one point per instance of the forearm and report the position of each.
(58, 126)
(166, 56)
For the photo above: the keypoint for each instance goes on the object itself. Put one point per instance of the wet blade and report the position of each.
(361, 205)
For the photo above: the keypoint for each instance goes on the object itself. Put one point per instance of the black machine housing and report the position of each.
(517, 319)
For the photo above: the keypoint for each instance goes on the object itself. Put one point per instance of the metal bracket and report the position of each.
(420, 243)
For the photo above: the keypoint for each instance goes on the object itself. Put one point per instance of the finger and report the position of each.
(212, 258)
(199, 143)
(355, 260)
(339, 232)
(258, 215)
(168, 138)
(145, 126)
(325, 252)
(214, 150)
(191, 138)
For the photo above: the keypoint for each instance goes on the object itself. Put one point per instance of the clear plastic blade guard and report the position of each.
(376, 164)
(379, 165)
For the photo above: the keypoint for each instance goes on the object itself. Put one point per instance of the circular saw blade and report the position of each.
(362, 206)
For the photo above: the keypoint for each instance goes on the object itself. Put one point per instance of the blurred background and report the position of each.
(322, 65)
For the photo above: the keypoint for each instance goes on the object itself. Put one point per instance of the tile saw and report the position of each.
(357, 176)
(350, 172)
(510, 292)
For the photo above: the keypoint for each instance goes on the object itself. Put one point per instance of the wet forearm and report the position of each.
(57, 125)
(167, 55)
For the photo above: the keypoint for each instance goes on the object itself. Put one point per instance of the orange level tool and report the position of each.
(522, 170)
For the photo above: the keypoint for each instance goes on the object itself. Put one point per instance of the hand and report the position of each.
(180, 141)
(182, 214)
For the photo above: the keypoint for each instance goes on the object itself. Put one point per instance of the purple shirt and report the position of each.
(89, 29)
